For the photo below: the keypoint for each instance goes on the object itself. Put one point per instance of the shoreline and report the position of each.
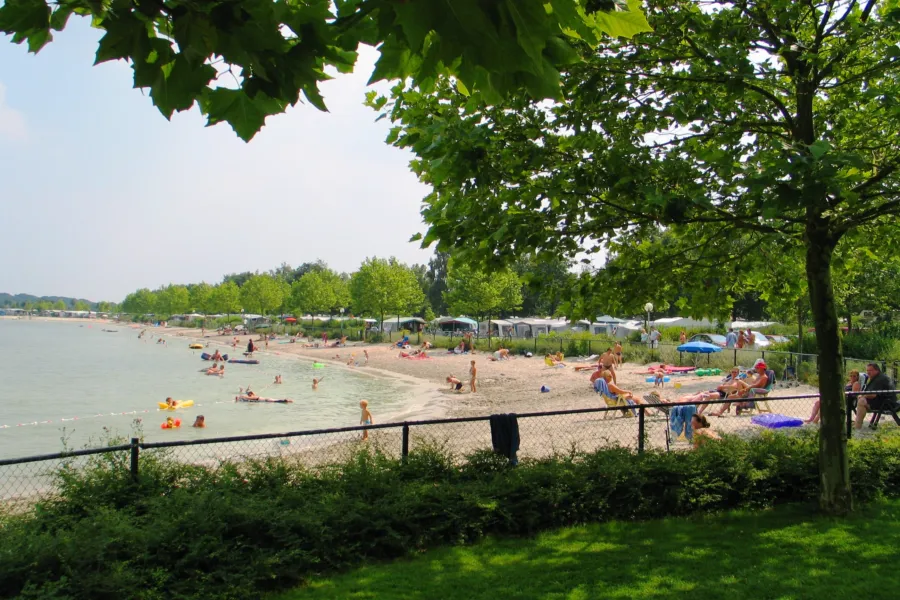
(506, 386)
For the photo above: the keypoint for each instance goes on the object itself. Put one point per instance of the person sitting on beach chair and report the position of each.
(552, 362)
(743, 387)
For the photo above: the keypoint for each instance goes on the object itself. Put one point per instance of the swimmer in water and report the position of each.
(315, 384)
(277, 379)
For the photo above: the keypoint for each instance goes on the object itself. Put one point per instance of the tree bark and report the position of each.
(834, 470)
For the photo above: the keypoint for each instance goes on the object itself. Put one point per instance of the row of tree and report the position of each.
(378, 288)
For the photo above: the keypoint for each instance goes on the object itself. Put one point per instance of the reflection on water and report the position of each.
(82, 379)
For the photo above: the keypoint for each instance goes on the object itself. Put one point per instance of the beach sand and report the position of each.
(513, 386)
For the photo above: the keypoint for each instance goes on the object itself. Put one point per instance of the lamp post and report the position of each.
(649, 308)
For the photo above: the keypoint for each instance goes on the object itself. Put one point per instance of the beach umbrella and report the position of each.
(699, 347)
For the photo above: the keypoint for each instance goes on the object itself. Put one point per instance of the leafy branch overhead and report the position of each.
(243, 60)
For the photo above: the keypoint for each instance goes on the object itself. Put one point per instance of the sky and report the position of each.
(100, 195)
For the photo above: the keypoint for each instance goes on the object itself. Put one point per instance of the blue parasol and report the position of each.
(699, 347)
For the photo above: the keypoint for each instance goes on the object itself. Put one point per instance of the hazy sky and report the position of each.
(100, 195)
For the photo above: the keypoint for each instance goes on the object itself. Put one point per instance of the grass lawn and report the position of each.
(785, 553)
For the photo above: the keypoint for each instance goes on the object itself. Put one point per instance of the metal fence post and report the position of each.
(734, 364)
(135, 453)
(535, 346)
(641, 428)
(404, 448)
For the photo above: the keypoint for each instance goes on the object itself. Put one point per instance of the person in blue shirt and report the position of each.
(730, 339)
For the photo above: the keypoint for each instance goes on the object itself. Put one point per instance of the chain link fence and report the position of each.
(640, 426)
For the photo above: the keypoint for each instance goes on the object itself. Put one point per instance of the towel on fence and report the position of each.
(680, 419)
(505, 436)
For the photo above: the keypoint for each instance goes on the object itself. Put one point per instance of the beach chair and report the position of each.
(789, 377)
(656, 402)
(612, 400)
(622, 403)
(756, 399)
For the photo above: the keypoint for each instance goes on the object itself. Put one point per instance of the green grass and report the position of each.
(786, 553)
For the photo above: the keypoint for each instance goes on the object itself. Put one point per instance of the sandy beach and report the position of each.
(514, 386)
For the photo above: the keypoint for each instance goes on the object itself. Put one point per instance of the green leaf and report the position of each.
(532, 27)
(573, 21)
(245, 115)
(619, 23)
(819, 149)
(60, 16)
(26, 20)
(181, 84)
(416, 19)
(24, 16)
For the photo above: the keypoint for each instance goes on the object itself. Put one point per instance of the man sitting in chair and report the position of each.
(743, 387)
(877, 382)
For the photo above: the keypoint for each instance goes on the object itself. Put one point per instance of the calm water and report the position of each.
(54, 372)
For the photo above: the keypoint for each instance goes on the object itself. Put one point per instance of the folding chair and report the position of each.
(756, 399)
(889, 409)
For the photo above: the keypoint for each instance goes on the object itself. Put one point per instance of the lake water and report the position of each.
(72, 380)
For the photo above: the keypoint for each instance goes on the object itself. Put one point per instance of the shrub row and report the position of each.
(235, 532)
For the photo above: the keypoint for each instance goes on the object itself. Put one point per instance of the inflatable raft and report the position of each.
(272, 400)
(178, 404)
(244, 361)
(196, 346)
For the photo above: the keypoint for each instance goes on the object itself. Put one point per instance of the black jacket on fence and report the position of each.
(505, 436)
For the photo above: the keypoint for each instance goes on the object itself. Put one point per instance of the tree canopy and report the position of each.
(262, 294)
(243, 60)
(730, 128)
(384, 286)
(481, 294)
(320, 291)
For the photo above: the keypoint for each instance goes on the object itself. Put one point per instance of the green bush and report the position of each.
(240, 530)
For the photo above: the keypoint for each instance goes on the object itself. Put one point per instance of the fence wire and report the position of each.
(27, 482)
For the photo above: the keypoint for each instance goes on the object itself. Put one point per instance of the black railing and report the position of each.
(542, 434)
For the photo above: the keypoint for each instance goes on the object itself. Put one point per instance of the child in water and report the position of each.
(200, 421)
(277, 379)
(315, 384)
(170, 403)
(365, 417)
(170, 423)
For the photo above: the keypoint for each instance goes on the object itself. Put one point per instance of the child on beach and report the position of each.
(454, 383)
(365, 418)
(200, 421)
(366, 352)
(660, 373)
(473, 373)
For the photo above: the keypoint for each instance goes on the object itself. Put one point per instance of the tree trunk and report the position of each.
(849, 323)
(834, 470)
(800, 332)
